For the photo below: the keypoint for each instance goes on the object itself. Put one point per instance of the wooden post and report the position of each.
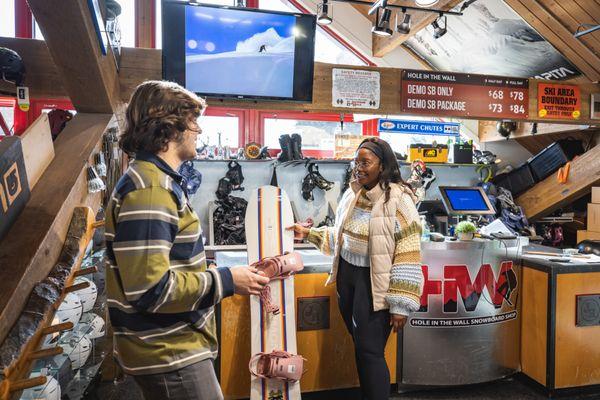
(90, 78)
(44, 353)
(79, 286)
(27, 383)
(86, 271)
(65, 326)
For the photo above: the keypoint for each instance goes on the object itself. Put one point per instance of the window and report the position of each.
(37, 33)
(327, 48)
(127, 23)
(7, 109)
(219, 129)
(7, 18)
(318, 136)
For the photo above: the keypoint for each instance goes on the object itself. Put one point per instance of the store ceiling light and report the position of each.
(382, 27)
(440, 26)
(404, 26)
(383, 12)
(323, 12)
(426, 3)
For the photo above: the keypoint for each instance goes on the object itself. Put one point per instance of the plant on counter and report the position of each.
(465, 230)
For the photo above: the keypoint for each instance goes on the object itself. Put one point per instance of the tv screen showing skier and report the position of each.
(233, 51)
(219, 51)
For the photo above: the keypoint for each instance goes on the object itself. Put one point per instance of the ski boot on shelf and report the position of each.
(285, 141)
(296, 146)
(278, 364)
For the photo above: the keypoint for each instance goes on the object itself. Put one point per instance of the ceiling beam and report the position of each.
(90, 78)
(489, 133)
(419, 21)
(535, 14)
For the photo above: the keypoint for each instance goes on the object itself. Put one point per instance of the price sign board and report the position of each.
(559, 101)
(452, 94)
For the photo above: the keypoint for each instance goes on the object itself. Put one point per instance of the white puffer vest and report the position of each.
(381, 234)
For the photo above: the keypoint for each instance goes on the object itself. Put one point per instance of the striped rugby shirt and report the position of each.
(160, 293)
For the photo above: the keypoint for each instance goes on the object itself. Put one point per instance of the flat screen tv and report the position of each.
(221, 52)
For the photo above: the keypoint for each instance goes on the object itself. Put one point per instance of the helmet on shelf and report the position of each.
(87, 295)
(78, 348)
(70, 309)
(48, 391)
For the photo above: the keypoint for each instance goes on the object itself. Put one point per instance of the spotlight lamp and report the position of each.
(440, 26)
(404, 26)
(382, 26)
(323, 14)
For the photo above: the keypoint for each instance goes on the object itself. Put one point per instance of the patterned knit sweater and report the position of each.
(404, 293)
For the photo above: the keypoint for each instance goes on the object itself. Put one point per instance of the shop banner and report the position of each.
(452, 94)
(419, 127)
(559, 101)
(353, 88)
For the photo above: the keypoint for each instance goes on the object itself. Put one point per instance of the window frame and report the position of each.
(241, 114)
(10, 102)
(303, 116)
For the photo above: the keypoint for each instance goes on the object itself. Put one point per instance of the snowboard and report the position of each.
(268, 213)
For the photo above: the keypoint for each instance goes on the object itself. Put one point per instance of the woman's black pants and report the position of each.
(369, 329)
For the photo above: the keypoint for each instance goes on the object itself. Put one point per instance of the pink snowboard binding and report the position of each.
(278, 267)
(278, 364)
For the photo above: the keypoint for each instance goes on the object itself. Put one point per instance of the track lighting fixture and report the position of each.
(440, 26)
(382, 26)
(404, 26)
(323, 13)
(383, 11)
(426, 3)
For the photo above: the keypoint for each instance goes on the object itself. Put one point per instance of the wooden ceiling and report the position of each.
(555, 20)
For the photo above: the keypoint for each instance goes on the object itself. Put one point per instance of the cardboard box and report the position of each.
(593, 217)
(587, 235)
(596, 195)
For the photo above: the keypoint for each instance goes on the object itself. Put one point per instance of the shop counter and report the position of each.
(321, 334)
(467, 330)
(560, 336)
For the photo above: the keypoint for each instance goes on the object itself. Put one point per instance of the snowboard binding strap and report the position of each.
(278, 267)
(278, 364)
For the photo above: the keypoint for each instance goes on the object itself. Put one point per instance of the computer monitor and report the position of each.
(466, 200)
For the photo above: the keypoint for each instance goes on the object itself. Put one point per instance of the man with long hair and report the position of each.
(160, 292)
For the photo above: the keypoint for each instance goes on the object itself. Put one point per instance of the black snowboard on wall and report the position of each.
(14, 188)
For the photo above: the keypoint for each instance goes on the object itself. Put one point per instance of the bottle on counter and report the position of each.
(424, 229)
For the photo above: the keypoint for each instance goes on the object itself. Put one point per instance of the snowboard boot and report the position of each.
(296, 145)
(285, 141)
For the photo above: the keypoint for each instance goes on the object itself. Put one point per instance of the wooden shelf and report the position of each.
(549, 195)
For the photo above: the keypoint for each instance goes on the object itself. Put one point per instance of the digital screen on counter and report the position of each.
(466, 200)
